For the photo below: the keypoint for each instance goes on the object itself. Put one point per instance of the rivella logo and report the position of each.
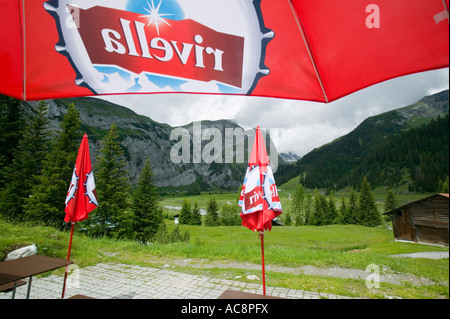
(133, 46)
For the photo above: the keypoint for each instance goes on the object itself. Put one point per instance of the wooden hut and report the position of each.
(422, 221)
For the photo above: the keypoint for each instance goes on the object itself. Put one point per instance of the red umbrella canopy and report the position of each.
(259, 196)
(316, 50)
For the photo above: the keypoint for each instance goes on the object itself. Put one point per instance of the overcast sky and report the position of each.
(301, 125)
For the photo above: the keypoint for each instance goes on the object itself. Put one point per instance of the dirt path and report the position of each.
(386, 274)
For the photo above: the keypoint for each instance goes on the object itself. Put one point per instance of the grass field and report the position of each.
(348, 246)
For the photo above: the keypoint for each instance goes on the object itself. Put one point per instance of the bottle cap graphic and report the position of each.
(145, 46)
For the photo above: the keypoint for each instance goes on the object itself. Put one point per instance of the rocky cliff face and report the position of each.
(198, 156)
(429, 107)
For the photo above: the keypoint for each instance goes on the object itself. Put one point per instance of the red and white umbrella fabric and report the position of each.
(81, 196)
(317, 50)
(259, 196)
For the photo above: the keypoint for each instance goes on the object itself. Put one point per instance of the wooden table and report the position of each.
(14, 270)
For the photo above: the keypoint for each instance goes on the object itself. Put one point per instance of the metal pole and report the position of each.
(261, 235)
(68, 258)
(29, 287)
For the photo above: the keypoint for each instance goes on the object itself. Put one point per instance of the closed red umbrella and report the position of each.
(259, 196)
(317, 50)
(81, 197)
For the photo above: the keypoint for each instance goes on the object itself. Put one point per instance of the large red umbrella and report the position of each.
(259, 196)
(317, 50)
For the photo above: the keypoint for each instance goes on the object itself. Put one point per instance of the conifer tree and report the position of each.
(343, 211)
(350, 214)
(147, 216)
(443, 186)
(196, 217)
(297, 203)
(390, 202)
(185, 213)
(112, 186)
(369, 214)
(318, 218)
(353, 209)
(162, 235)
(212, 213)
(46, 203)
(287, 219)
(308, 207)
(12, 124)
(332, 213)
(26, 167)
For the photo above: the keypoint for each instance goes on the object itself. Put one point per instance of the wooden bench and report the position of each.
(10, 285)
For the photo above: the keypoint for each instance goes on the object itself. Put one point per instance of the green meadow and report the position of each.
(228, 250)
(344, 246)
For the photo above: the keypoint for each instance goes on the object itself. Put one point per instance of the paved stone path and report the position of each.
(425, 254)
(120, 281)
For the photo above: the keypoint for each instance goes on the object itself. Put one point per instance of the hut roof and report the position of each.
(416, 202)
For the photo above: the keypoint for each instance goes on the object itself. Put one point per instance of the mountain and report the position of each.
(290, 157)
(406, 146)
(401, 147)
(204, 155)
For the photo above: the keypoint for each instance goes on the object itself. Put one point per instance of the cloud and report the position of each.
(302, 126)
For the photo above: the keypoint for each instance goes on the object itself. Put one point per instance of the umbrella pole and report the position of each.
(261, 235)
(68, 257)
